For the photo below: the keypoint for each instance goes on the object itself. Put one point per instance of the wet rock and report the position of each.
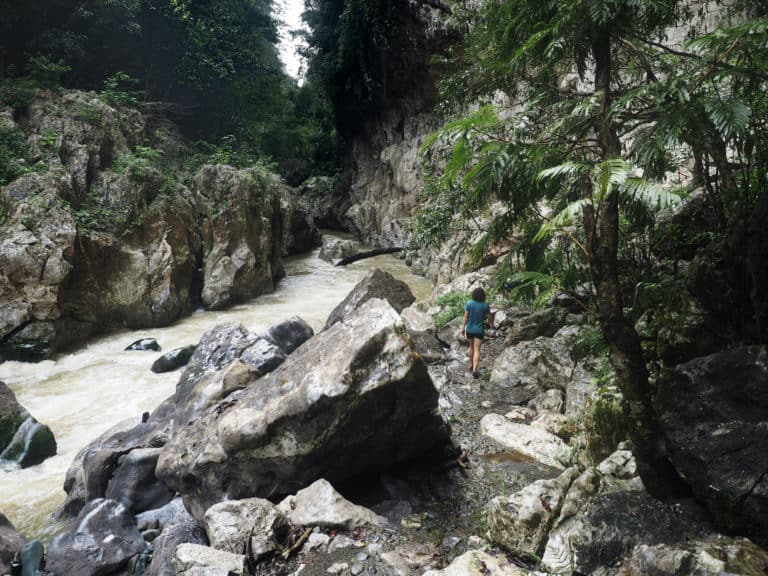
(144, 344)
(337, 248)
(528, 440)
(231, 524)
(300, 233)
(100, 541)
(375, 284)
(178, 527)
(241, 252)
(521, 522)
(480, 563)
(23, 439)
(133, 481)
(173, 360)
(711, 557)
(11, 543)
(417, 321)
(358, 399)
(320, 505)
(193, 559)
(32, 556)
(605, 514)
(217, 348)
(546, 322)
(714, 412)
(263, 356)
(289, 334)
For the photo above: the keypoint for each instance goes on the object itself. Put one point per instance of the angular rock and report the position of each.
(417, 321)
(521, 522)
(177, 527)
(358, 399)
(22, 438)
(375, 284)
(11, 543)
(289, 334)
(711, 557)
(263, 356)
(144, 344)
(337, 248)
(320, 505)
(714, 412)
(100, 541)
(193, 559)
(552, 400)
(528, 440)
(231, 524)
(546, 322)
(427, 346)
(480, 563)
(133, 482)
(173, 360)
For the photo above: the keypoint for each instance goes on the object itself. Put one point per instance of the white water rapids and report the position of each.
(82, 394)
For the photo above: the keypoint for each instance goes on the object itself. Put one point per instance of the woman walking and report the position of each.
(476, 312)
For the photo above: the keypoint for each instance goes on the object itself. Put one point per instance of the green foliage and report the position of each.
(588, 343)
(605, 425)
(120, 90)
(46, 74)
(89, 113)
(12, 149)
(139, 163)
(453, 306)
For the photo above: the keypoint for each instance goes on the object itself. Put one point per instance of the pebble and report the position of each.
(338, 568)
(450, 542)
(361, 557)
(357, 569)
(486, 404)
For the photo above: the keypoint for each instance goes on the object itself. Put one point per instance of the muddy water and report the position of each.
(80, 395)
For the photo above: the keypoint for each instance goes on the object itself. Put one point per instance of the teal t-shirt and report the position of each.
(477, 313)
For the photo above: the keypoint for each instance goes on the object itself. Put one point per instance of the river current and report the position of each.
(84, 393)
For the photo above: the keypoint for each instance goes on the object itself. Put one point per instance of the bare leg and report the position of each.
(476, 342)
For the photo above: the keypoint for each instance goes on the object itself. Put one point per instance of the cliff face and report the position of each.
(103, 230)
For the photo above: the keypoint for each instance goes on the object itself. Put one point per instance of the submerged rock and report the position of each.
(23, 439)
(144, 344)
(714, 412)
(173, 360)
(357, 399)
(102, 540)
(320, 505)
(375, 284)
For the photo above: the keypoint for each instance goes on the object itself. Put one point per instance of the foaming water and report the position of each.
(83, 394)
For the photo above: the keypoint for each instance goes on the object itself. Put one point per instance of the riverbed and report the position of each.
(84, 393)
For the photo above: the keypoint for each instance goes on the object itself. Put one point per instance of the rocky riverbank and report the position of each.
(224, 476)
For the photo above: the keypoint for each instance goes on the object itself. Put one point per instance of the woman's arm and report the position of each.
(464, 325)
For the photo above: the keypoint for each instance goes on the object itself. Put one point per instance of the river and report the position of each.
(82, 394)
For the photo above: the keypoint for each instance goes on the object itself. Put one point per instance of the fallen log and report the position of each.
(369, 254)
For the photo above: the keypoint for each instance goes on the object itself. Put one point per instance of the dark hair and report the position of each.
(478, 295)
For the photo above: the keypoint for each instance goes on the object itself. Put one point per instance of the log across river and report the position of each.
(82, 394)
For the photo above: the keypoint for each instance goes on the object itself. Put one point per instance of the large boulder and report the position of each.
(254, 524)
(375, 284)
(357, 399)
(338, 248)
(530, 441)
(173, 360)
(23, 439)
(102, 540)
(321, 505)
(11, 544)
(242, 239)
(714, 412)
(713, 556)
(544, 322)
(133, 481)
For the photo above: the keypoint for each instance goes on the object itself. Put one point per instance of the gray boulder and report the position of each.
(546, 322)
(289, 334)
(321, 505)
(714, 412)
(527, 440)
(197, 560)
(173, 360)
(133, 481)
(143, 345)
(102, 540)
(263, 356)
(714, 556)
(11, 544)
(358, 399)
(22, 438)
(375, 284)
(177, 527)
(337, 248)
(480, 563)
(232, 524)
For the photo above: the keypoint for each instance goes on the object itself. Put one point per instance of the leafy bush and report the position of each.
(117, 90)
(17, 93)
(12, 148)
(89, 113)
(46, 74)
(139, 163)
(453, 304)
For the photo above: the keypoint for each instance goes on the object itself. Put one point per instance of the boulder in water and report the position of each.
(337, 248)
(173, 360)
(358, 399)
(375, 284)
(22, 438)
(102, 540)
(11, 543)
(290, 334)
(714, 412)
(144, 345)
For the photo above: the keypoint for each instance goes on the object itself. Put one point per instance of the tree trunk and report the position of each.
(602, 229)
